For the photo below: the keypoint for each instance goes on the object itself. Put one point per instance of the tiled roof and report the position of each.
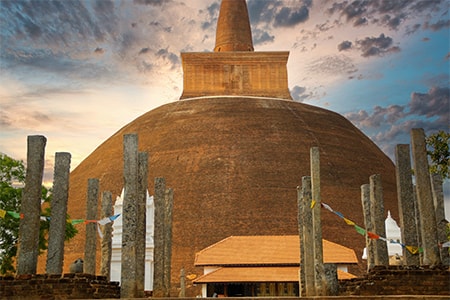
(257, 274)
(267, 250)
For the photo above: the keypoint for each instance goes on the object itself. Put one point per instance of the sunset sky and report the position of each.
(78, 71)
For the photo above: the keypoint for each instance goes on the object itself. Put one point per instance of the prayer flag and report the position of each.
(104, 221)
(77, 221)
(100, 234)
(90, 221)
(2, 213)
(339, 214)
(327, 207)
(14, 214)
(373, 235)
(112, 218)
(313, 203)
(349, 222)
(446, 245)
(412, 249)
(360, 230)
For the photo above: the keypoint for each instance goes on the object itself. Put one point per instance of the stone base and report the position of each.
(58, 286)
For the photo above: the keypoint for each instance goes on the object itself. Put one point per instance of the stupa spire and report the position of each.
(233, 27)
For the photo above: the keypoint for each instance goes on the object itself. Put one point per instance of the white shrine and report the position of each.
(393, 233)
(117, 242)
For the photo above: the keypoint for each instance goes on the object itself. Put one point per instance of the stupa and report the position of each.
(234, 149)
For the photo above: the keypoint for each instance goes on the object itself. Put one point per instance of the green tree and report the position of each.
(439, 153)
(12, 179)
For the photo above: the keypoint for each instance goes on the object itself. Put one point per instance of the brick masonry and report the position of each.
(398, 280)
(57, 286)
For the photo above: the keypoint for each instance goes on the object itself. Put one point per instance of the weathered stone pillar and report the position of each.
(406, 203)
(182, 284)
(381, 257)
(438, 197)
(57, 229)
(107, 211)
(158, 252)
(129, 216)
(306, 239)
(91, 227)
(300, 213)
(331, 278)
(319, 272)
(168, 200)
(370, 251)
(141, 225)
(28, 249)
(428, 228)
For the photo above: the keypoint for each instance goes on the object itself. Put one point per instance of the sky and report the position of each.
(78, 71)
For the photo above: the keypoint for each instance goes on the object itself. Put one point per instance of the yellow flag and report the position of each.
(349, 222)
(2, 213)
(412, 249)
(313, 203)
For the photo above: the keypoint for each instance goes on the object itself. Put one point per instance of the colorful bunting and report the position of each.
(446, 245)
(107, 220)
(362, 231)
(15, 215)
(373, 235)
(412, 249)
(351, 223)
(103, 221)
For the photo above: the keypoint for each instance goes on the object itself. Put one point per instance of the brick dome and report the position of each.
(234, 164)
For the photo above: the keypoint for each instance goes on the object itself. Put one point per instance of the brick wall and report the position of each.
(55, 287)
(398, 280)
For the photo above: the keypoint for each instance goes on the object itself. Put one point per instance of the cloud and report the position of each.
(388, 13)
(441, 24)
(99, 50)
(297, 93)
(344, 45)
(170, 56)
(150, 2)
(278, 13)
(334, 65)
(435, 103)
(431, 105)
(262, 37)
(376, 46)
(288, 17)
(393, 123)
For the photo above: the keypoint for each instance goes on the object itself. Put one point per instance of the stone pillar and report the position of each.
(141, 225)
(300, 213)
(406, 203)
(182, 284)
(28, 249)
(381, 257)
(107, 211)
(89, 264)
(129, 216)
(307, 237)
(438, 197)
(319, 272)
(57, 229)
(331, 279)
(428, 228)
(370, 245)
(158, 254)
(168, 200)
